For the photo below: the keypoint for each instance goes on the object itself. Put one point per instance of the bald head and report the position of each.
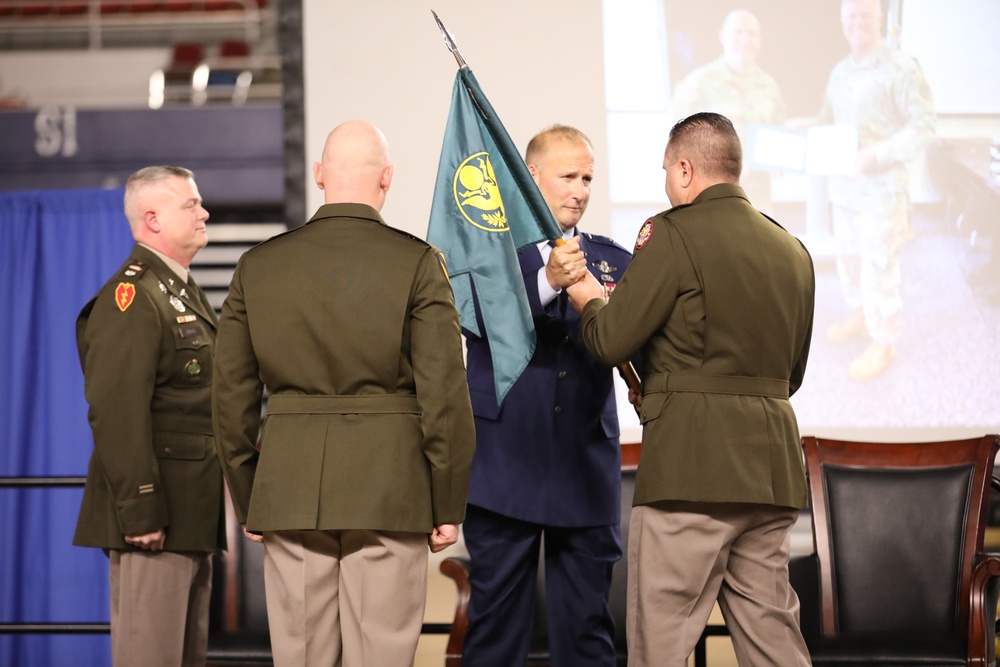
(740, 37)
(356, 167)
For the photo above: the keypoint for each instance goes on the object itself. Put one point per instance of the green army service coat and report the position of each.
(351, 327)
(145, 344)
(719, 299)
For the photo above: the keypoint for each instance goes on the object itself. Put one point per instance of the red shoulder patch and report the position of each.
(645, 233)
(124, 295)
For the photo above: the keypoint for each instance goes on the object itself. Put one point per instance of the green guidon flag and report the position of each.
(486, 206)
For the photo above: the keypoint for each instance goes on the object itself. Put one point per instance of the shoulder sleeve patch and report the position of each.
(645, 233)
(124, 295)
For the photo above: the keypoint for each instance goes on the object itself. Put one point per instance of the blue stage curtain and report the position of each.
(56, 250)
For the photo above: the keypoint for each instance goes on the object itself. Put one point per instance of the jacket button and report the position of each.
(562, 375)
(168, 450)
(558, 409)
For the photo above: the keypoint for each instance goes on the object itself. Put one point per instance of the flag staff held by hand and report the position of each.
(542, 223)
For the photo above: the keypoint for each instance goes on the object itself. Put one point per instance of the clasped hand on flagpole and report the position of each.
(627, 371)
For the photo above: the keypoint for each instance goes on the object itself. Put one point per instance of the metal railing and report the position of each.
(100, 628)
(49, 628)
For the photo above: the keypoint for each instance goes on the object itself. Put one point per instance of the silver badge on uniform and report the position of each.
(163, 288)
(604, 267)
(184, 293)
(130, 273)
(176, 303)
(606, 278)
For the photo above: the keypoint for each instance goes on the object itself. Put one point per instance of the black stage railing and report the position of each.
(100, 628)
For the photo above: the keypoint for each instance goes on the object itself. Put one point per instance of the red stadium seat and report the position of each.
(35, 8)
(234, 49)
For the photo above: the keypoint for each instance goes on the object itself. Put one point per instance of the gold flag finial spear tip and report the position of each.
(450, 42)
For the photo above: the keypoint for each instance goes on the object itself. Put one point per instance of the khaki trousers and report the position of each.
(347, 598)
(159, 608)
(683, 557)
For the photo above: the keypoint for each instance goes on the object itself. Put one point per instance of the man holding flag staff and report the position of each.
(547, 464)
(547, 461)
(719, 299)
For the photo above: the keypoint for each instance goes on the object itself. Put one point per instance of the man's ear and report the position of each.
(318, 174)
(150, 220)
(533, 170)
(386, 179)
(687, 172)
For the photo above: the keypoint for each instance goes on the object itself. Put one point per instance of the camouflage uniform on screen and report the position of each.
(750, 96)
(886, 97)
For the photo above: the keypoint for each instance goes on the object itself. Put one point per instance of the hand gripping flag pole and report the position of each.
(487, 206)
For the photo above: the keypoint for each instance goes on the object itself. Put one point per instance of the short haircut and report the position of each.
(877, 3)
(710, 141)
(148, 176)
(541, 141)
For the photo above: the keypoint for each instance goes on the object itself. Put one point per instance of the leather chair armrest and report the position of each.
(984, 592)
(803, 573)
(457, 568)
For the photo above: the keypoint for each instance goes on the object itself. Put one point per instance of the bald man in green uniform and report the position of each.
(153, 498)
(364, 458)
(719, 299)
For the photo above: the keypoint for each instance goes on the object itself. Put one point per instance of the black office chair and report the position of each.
(899, 576)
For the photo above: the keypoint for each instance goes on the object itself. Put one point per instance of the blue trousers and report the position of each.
(504, 576)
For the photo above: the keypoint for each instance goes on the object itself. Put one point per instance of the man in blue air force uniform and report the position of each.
(547, 461)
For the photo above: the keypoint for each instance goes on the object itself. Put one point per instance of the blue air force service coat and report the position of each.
(550, 454)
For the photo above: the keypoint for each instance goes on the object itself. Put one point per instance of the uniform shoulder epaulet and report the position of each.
(133, 269)
(673, 209)
(603, 240)
(408, 235)
(775, 222)
(278, 236)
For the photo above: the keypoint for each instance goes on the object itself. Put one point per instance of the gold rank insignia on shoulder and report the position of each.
(124, 295)
(181, 319)
(604, 267)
